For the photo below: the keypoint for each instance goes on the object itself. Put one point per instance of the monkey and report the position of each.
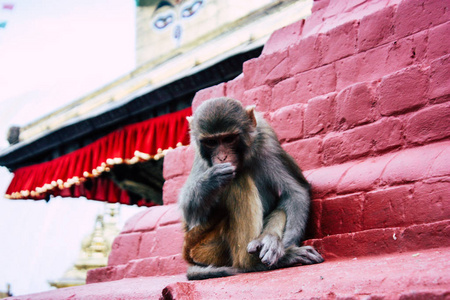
(245, 204)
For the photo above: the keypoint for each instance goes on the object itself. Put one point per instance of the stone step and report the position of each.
(409, 275)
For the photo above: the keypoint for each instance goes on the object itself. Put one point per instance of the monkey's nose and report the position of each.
(222, 159)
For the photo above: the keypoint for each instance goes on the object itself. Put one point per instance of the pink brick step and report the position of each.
(391, 203)
(406, 276)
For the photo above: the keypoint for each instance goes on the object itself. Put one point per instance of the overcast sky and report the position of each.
(53, 52)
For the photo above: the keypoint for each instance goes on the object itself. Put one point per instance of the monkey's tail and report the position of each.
(200, 272)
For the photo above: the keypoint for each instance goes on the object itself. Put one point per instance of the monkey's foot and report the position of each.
(269, 247)
(306, 255)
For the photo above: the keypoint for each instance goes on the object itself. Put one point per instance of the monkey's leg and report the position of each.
(207, 247)
(246, 221)
(208, 253)
(305, 255)
(269, 244)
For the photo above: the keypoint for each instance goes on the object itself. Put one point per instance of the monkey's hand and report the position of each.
(270, 248)
(219, 175)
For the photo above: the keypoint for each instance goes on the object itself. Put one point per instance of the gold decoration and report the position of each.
(95, 249)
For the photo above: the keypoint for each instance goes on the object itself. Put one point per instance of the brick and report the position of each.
(283, 37)
(411, 164)
(426, 236)
(124, 248)
(378, 62)
(319, 6)
(324, 181)
(333, 144)
(131, 222)
(355, 106)
(429, 124)
(266, 69)
(149, 221)
(363, 176)
(319, 114)
(382, 135)
(142, 267)
(386, 134)
(362, 243)
(376, 29)
(306, 152)
(438, 46)
(439, 78)
(169, 240)
(339, 42)
(235, 88)
(416, 15)
(208, 93)
(288, 122)
(178, 162)
(156, 266)
(104, 274)
(172, 265)
(386, 208)
(335, 8)
(147, 244)
(172, 216)
(260, 96)
(430, 203)
(341, 214)
(350, 13)
(172, 188)
(304, 86)
(315, 20)
(403, 91)
(304, 55)
(441, 165)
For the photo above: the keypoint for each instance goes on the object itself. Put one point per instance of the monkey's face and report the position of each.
(222, 129)
(219, 149)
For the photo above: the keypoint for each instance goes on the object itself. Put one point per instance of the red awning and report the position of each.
(65, 176)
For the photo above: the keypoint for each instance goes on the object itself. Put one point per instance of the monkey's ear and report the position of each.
(251, 114)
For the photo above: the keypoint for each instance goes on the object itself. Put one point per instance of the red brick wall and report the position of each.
(358, 94)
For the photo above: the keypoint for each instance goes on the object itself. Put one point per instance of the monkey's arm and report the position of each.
(268, 244)
(199, 194)
(294, 199)
(280, 173)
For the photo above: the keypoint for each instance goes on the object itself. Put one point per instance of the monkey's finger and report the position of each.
(271, 251)
(225, 166)
(272, 256)
(254, 246)
(226, 170)
(314, 255)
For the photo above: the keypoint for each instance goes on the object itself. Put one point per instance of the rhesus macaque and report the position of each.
(245, 204)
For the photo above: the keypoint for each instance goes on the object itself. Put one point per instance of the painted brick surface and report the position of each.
(320, 114)
(359, 95)
(288, 122)
(283, 38)
(439, 79)
(356, 106)
(410, 275)
(401, 91)
(304, 54)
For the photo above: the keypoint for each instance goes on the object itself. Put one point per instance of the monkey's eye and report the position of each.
(230, 139)
(210, 143)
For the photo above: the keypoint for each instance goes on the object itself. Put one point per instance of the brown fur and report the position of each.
(225, 243)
